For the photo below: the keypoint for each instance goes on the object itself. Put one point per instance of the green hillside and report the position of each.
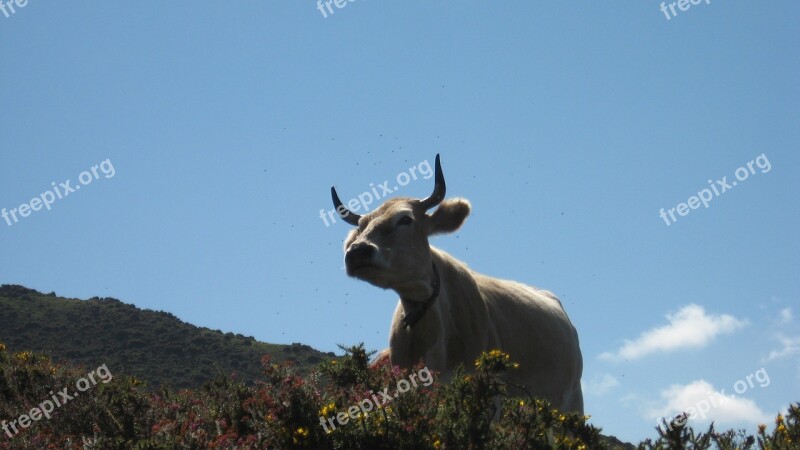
(156, 347)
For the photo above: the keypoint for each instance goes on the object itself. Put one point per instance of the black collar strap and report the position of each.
(413, 311)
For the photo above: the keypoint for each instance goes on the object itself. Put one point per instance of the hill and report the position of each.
(150, 345)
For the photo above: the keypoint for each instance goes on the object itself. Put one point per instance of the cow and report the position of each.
(448, 314)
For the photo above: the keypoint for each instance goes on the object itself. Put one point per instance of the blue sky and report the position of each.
(568, 125)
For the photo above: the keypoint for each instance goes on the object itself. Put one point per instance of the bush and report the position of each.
(345, 404)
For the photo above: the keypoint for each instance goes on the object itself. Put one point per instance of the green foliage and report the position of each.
(153, 346)
(676, 435)
(285, 411)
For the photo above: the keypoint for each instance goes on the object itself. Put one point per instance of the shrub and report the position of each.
(288, 411)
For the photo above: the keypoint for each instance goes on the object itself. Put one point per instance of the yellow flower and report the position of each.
(327, 409)
(499, 354)
(437, 444)
(522, 403)
(300, 433)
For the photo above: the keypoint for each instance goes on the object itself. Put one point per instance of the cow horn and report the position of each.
(344, 213)
(438, 190)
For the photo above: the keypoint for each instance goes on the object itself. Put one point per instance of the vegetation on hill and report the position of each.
(150, 345)
(329, 409)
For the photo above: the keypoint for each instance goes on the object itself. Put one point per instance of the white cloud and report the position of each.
(690, 327)
(791, 346)
(705, 404)
(600, 384)
(786, 316)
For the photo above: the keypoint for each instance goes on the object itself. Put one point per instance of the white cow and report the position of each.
(448, 314)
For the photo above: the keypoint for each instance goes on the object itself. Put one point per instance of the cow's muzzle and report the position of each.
(359, 256)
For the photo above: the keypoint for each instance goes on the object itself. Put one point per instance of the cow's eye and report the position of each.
(407, 220)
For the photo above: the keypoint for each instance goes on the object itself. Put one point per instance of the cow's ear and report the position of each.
(449, 216)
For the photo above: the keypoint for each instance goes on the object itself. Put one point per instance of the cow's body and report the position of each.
(475, 313)
(449, 314)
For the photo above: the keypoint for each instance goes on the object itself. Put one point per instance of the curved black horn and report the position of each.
(344, 213)
(438, 190)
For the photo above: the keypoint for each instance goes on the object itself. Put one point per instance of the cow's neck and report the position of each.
(414, 309)
(441, 325)
(419, 289)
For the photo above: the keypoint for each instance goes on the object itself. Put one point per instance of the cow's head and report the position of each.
(389, 247)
